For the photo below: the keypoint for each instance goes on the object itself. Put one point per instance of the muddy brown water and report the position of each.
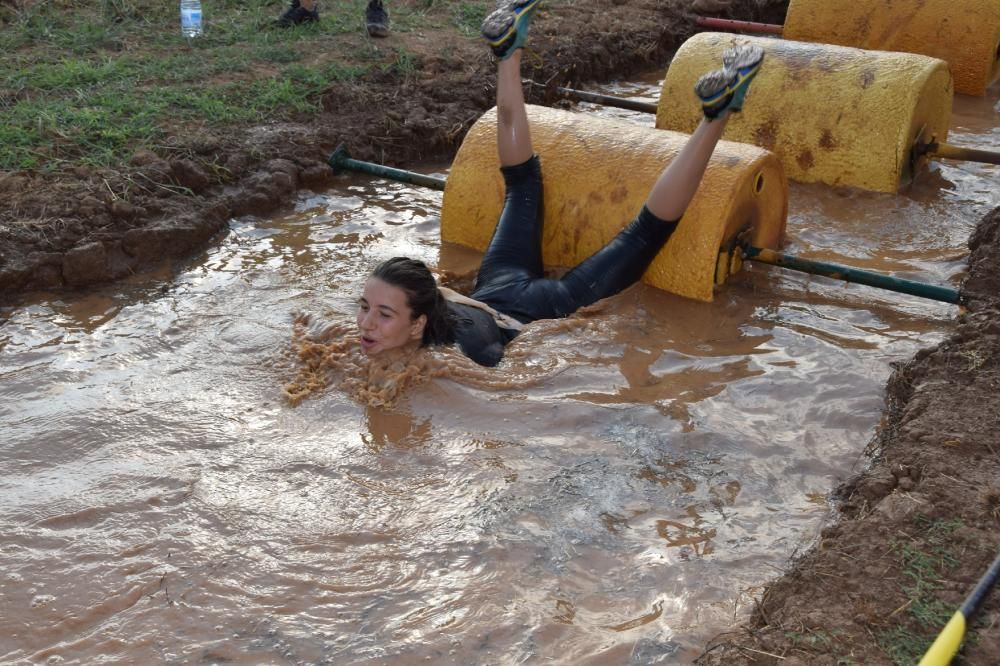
(618, 494)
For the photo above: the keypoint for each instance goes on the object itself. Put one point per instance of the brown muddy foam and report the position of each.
(329, 353)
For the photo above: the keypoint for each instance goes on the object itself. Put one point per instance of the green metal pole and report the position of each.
(839, 272)
(341, 159)
(948, 151)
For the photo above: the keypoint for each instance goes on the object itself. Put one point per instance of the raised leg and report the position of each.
(506, 30)
(625, 258)
(515, 251)
(674, 189)
(721, 92)
(513, 132)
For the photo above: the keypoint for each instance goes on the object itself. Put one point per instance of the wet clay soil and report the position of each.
(933, 486)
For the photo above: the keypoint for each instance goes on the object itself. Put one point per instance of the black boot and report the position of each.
(296, 14)
(377, 19)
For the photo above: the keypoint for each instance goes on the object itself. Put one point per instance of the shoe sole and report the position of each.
(712, 86)
(718, 90)
(741, 57)
(743, 62)
(506, 20)
(377, 30)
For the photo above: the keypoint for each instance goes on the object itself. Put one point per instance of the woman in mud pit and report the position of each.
(403, 306)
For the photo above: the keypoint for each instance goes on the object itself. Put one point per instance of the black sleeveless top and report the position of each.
(478, 335)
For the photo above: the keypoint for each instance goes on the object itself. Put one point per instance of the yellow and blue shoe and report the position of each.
(725, 89)
(744, 61)
(506, 29)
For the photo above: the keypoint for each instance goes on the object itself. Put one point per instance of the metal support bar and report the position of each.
(744, 26)
(951, 152)
(848, 274)
(341, 159)
(606, 100)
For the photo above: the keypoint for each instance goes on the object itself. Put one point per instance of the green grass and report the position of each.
(102, 122)
(821, 642)
(923, 565)
(94, 82)
(817, 640)
(469, 16)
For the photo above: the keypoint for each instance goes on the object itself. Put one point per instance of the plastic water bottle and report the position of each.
(191, 18)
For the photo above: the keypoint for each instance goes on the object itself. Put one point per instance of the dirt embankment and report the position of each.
(83, 226)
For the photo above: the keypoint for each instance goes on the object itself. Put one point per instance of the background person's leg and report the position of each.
(376, 19)
(298, 12)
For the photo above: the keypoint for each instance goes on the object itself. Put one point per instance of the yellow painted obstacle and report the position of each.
(964, 33)
(832, 114)
(597, 173)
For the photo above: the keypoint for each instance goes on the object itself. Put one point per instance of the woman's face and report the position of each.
(385, 318)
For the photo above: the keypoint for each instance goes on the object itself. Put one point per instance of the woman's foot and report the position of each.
(725, 89)
(506, 29)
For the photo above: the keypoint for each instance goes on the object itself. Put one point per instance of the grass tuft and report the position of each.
(469, 16)
(923, 564)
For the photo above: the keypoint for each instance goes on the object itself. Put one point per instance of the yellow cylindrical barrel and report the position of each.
(832, 114)
(597, 173)
(964, 33)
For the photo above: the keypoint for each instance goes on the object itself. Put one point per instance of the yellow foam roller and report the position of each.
(832, 114)
(964, 33)
(597, 173)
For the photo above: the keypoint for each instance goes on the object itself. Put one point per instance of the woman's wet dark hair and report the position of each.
(422, 295)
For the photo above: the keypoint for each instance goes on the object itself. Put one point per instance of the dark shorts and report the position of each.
(511, 278)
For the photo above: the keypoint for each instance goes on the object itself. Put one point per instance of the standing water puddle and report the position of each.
(160, 501)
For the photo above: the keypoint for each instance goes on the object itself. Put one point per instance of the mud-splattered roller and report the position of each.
(833, 114)
(597, 173)
(964, 33)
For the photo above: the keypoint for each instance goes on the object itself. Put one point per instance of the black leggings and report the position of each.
(511, 277)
